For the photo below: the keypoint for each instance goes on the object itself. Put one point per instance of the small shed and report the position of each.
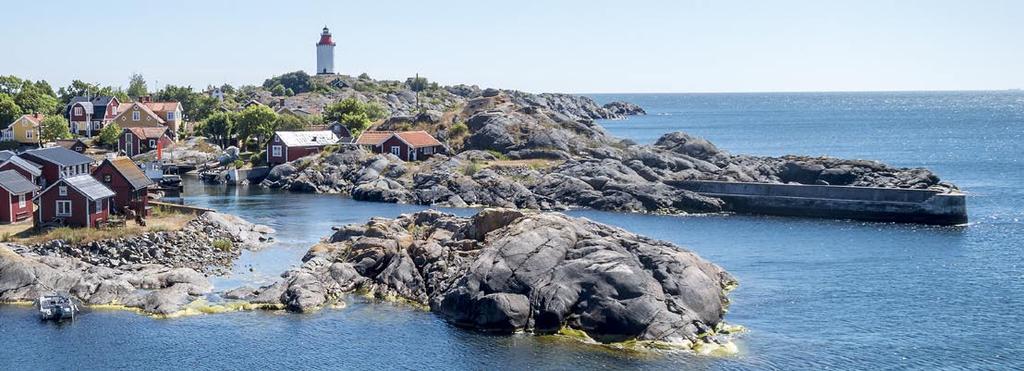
(16, 193)
(288, 146)
(129, 183)
(28, 169)
(136, 140)
(78, 201)
(76, 145)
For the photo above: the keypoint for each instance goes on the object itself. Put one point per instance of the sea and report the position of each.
(814, 294)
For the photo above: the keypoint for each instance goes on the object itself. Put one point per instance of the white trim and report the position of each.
(136, 116)
(275, 150)
(57, 204)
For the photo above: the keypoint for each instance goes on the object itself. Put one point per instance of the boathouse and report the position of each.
(288, 146)
(77, 201)
(58, 162)
(15, 197)
(407, 145)
(136, 140)
(129, 183)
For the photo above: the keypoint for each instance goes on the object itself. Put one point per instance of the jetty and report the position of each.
(898, 205)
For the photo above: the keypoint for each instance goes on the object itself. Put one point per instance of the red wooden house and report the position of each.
(129, 183)
(27, 169)
(15, 197)
(407, 145)
(288, 146)
(78, 201)
(58, 162)
(88, 115)
(138, 140)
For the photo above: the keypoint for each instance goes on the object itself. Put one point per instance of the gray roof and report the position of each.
(60, 156)
(307, 138)
(14, 183)
(88, 186)
(29, 166)
(98, 104)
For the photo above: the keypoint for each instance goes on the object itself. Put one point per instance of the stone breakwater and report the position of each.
(506, 271)
(158, 273)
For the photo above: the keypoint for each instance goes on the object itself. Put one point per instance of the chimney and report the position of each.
(281, 102)
(145, 99)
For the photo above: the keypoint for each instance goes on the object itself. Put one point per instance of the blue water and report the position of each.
(815, 294)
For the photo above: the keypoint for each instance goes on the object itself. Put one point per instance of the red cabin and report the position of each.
(287, 146)
(138, 140)
(129, 183)
(16, 194)
(58, 162)
(78, 201)
(407, 145)
(27, 169)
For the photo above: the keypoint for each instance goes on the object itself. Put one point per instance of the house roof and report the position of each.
(148, 132)
(34, 118)
(142, 107)
(31, 167)
(130, 171)
(307, 138)
(418, 139)
(68, 143)
(98, 104)
(60, 156)
(415, 139)
(87, 186)
(374, 138)
(162, 107)
(14, 183)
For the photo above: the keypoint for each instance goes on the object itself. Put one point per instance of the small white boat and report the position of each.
(56, 307)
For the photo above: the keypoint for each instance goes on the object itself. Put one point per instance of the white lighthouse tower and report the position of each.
(325, 54)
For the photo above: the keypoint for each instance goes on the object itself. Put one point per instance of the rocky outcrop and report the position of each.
(624, 108)
(151, 288)
(505, 271)
(209, 243)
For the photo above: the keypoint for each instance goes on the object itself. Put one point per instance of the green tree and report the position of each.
(198, 106)
(9, 110)
(37, 97)
(109, 134)
(298, 81)
(289, 123)
(278, 90)
(137, 87)
(417, 84)
(354, 114)
(255, 122)
(219, 126)
(54, 127)
(10, 85)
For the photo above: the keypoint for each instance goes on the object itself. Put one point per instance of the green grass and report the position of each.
(223, 245)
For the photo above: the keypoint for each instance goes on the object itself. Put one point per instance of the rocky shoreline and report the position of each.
(534, 152)
(507, 271)
(158, 273)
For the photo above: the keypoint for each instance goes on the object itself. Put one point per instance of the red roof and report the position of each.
(35, 118)
(374, 137)
(418, 139)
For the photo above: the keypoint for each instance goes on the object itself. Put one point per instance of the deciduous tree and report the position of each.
(54, 127)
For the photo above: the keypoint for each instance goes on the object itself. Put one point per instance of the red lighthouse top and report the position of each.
(325, 38)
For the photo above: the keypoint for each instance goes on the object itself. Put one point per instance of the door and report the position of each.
(128, 144)
(412, 154)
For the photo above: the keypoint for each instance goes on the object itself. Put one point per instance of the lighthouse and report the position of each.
(325, 54)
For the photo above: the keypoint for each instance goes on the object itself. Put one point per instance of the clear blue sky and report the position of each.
(557, 46)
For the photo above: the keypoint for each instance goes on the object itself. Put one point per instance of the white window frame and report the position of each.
(136, 116)
(396, 150)
(62, 190)
(67, 208)
(95, 125)
(99, 205)
(170, 116)
(78, 111)
(28, 134)
(275, 151)
(21, 200)
(152, 143)
(428, 150)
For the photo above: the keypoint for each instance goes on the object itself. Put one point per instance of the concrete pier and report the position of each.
(837, 202)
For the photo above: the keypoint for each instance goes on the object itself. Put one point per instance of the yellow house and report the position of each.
(25, 129)
(150, 114)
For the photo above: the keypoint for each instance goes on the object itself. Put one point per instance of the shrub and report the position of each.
(471, 169)
(497, 155)
(458, 130)
(223, 244)
(238, 164)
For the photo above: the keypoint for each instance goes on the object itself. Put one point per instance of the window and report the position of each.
(21, 200)
(106, 178)
(170, 116)
(96, 125)
(136, 116)
(62, 190)
(152, 143)
(275, 151)
(396, 150)
(63, 208)
(28, 134)
(113, 111)
(428, 150)
(99, 205)
(78, 111)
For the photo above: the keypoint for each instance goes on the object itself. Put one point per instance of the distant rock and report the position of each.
(624, 108)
